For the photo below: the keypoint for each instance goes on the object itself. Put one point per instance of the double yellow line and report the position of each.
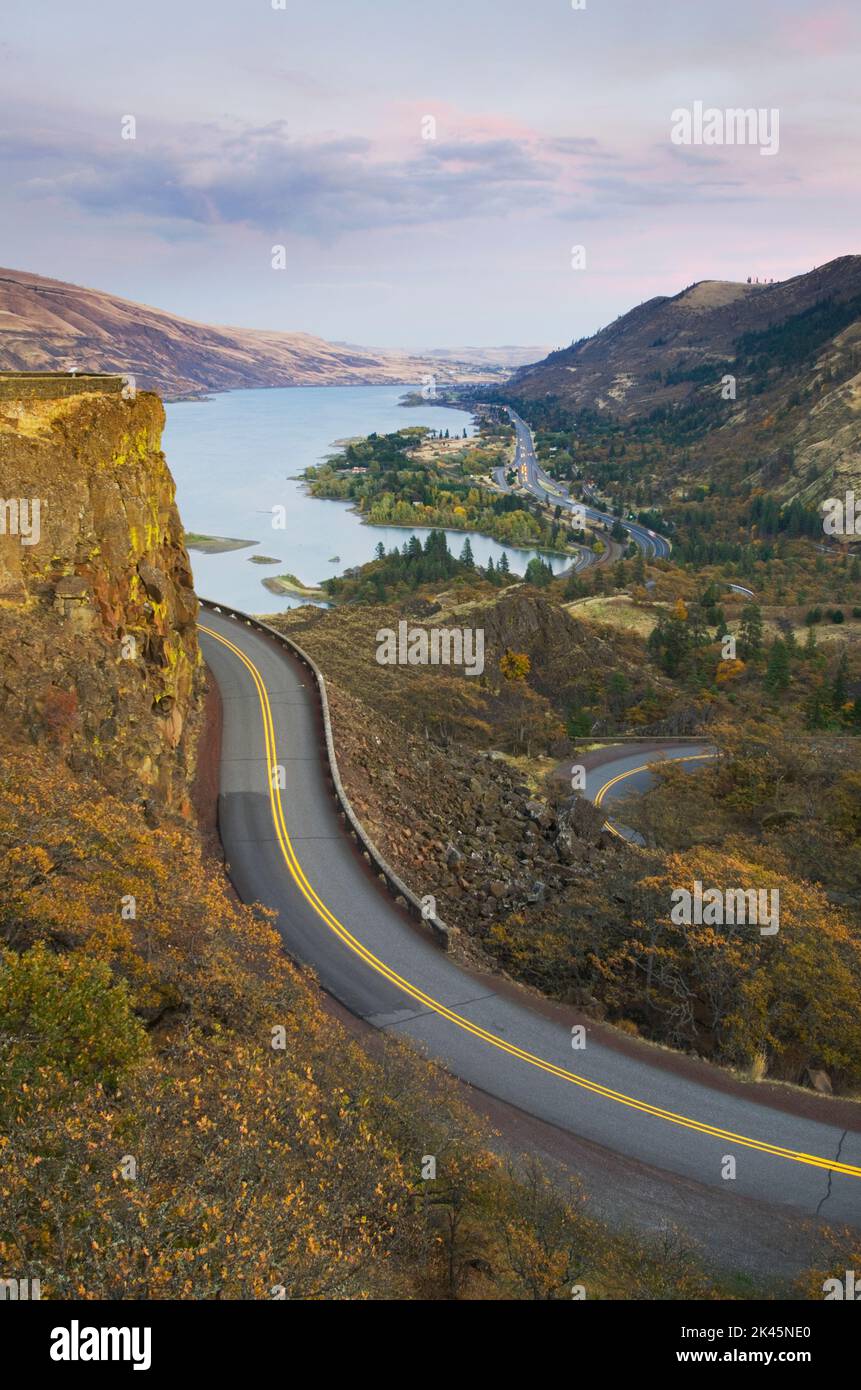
(374, 963)
(623, 777)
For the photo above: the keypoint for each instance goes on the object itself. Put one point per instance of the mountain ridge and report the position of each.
(755, 381)
(52, 325)
(660, 335)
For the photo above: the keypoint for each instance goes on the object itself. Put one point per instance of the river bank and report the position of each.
(231, 457)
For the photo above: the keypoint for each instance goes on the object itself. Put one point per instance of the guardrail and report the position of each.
(396, 886)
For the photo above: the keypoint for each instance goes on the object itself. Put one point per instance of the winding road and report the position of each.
(531, 476)
(287, 847)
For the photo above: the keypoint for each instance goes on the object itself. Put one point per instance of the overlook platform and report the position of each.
(55, 385)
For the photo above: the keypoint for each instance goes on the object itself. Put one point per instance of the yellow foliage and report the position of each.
(729, 670)
(515, 666)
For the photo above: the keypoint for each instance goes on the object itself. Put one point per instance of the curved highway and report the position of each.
(531, 476)
(630, 774)
(524, 471)
(286, 847)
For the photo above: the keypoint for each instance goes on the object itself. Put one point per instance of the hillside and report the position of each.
(507, 355)
(735, 386)
(465, 785)
(183, 1114)
(660, 351)
(47, 325)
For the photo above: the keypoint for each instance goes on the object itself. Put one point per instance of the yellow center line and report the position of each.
(644, 767)
(413, 992)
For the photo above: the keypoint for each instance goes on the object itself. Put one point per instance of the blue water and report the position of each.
(235, 457)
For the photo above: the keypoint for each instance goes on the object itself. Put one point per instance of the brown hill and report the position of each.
(658, 353)
(793, 349)
(47, 325)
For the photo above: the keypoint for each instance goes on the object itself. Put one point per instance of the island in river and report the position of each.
(215, 545)
(289, 584)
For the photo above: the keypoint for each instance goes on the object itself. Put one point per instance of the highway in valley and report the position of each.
(287, 847)
(533, 479)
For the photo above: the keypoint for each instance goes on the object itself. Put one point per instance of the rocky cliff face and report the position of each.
(98, 644)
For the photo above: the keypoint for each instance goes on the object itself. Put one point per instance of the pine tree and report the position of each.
(816, 712)
(750, 632)
(777, 676)
(839, 686)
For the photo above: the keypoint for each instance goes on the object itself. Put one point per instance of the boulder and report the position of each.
(155, 581)
(818, 1081)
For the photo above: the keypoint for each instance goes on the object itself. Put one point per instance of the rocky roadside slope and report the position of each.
(488, 839)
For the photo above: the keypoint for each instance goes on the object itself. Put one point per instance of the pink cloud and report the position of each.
(823, 32)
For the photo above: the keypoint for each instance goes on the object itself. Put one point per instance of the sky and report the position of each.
(427, 167)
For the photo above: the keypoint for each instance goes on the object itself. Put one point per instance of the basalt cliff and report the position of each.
(98, 645)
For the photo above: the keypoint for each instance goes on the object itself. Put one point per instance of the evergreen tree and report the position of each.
(750, 632)
(777, 676)
(839, 686)
(538, 572)
(578, 724)
(816, 709)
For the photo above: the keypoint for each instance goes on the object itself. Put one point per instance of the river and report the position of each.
(235, 457)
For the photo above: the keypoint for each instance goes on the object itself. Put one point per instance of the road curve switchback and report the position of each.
(287, 848)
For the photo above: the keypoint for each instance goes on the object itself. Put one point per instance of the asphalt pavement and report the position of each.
(287, 847)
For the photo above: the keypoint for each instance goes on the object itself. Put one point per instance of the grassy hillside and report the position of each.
(729, 390)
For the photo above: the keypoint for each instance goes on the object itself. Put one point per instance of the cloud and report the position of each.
(584, 146)
(260, 177)
(180, 182)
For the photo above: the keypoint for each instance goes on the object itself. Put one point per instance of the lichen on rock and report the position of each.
(98, 640)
